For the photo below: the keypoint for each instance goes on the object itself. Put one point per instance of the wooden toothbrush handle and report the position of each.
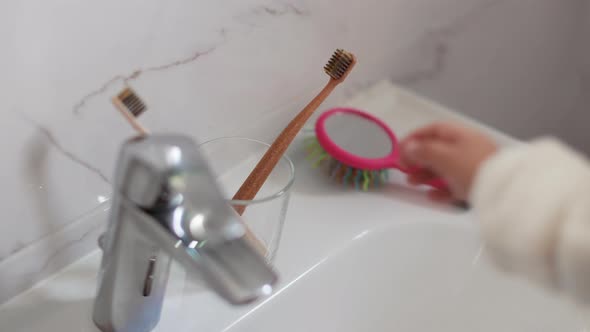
(258, 176)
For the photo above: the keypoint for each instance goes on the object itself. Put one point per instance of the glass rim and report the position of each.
(281, 192)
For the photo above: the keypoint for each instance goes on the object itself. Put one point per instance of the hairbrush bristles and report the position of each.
(340, 64)
(132, 102)
(360, 179)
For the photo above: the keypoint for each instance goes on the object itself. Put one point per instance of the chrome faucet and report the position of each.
(166, 205)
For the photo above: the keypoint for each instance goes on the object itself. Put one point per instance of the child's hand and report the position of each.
(446, 151)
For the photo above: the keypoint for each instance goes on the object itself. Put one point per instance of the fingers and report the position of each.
(422, 176)
(436, 156)
(406, 148)
(444, 151)
(441, 130)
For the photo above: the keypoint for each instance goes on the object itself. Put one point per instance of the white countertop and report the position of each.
(322, 218)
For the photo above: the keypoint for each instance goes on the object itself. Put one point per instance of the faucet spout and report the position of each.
(166, 205)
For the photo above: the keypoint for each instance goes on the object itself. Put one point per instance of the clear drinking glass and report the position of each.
(232, 159)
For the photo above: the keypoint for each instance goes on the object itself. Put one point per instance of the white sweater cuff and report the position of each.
(531, 201)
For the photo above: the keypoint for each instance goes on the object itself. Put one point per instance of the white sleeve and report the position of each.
(533, 203)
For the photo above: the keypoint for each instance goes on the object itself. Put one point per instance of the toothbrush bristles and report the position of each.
(132, 102)
(340, 64)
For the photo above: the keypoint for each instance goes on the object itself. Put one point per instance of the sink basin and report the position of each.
(413, 277)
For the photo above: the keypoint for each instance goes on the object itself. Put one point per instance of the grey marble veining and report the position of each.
(434, 43)
(136, 74)
(52, 140)
(248, 18)
(495, 52)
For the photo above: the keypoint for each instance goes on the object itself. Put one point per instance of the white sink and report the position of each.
(415, 276)
(379, 261)
(419, 277)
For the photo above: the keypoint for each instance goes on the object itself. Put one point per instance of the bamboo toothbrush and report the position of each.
(338, 68)
(130, 105)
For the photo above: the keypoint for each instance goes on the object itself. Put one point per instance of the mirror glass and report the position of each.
(358, 135)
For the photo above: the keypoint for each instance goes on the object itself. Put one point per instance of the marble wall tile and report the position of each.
(515, 65)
